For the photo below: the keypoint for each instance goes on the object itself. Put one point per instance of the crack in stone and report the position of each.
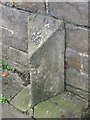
(15, 95)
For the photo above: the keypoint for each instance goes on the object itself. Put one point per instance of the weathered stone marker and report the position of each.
(46, 46)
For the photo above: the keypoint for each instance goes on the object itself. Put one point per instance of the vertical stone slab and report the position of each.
(46, 56)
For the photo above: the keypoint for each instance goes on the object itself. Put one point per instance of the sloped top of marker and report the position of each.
(40, 28)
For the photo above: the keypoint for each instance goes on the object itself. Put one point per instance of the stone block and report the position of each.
(17, 66)
(78, 61)
(12, 54)
(11, 85)
(15, 55)
(9, 111)
(30, 6)
(22, 100)
(14, 28)
(65, 105)
(22, 58)
(34, 7)
(46, 56)
(74, 12)
(77, 79)
(77, 38)
(73, 59)
(79, 92)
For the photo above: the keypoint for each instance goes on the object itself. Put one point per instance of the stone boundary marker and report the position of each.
(54, 52)
(16, 46)
(46, 45)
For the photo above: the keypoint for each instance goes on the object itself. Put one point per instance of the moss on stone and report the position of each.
(23, 100)
(64, 105)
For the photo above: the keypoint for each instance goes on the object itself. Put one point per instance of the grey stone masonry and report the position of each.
(77, 38)
(77, 59)
(14, 28)
(10, 112)
(34, 7)
(15, 55)
(47, 44)
(46, 55)
(74, 12)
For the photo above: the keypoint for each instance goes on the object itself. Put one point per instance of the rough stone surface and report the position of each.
(74, 12)
(34, 7)
(77, 79)
(40, 28)
(79, 92)
(78, 61)
(10, 112)
(15, 55)
(11, 85)
(77, 38)
(77, 58)
(47, 63)
(46, 57)
(16, 65)
(23, 100)
(65, 105)
(14, 28)
(7, 3)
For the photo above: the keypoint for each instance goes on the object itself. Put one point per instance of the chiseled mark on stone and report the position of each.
(11, 31)
(47, 68)
(36, 37)
(40, 28)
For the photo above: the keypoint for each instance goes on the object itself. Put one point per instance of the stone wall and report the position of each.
(16, 46)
